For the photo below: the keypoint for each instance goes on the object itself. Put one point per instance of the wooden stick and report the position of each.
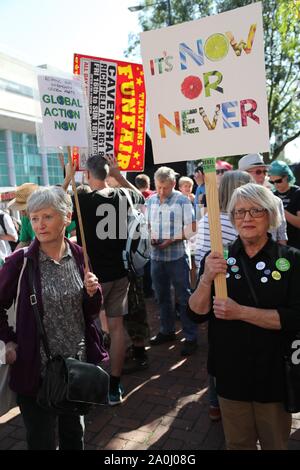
(86, 260)
(211, 190)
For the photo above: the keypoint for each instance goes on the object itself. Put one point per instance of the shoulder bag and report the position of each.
(69, 385)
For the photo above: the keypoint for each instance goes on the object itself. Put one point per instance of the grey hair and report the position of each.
(52, 196)
(164, 173)
(229, 182)
(258, 195)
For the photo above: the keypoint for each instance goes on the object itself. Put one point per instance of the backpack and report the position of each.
(137, 251)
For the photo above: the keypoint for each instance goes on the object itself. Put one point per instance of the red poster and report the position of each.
(117, 108)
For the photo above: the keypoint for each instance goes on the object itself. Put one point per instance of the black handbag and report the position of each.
(291, 363)
(69, 386)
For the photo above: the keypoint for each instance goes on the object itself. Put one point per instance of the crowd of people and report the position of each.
(91, 310)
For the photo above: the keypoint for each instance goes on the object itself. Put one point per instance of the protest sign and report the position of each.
(64, 121)
(206, 86)
(116, 95)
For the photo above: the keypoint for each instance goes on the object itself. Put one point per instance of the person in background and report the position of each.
(19, 204)
(282, 178)
(8, 234)
(185, 186)
(248, 328)
(142, 182)
(221, 168)
(68, 299)
(171, 221)
(200, 191)
(254, 164)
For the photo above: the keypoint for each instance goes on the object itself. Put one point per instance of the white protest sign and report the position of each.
(64, 118)
(206, 86)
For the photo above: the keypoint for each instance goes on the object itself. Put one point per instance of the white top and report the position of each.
(229, 234)
(5, 249)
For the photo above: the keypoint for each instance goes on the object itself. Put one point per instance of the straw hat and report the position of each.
(22, 194)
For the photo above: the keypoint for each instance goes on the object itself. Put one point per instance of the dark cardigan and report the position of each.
(25, 372)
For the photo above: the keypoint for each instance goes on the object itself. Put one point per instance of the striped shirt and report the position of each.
(229, 234)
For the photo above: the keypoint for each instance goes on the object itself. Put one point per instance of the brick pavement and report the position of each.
(166, 406)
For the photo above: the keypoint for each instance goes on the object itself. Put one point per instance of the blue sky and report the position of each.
(50, 31)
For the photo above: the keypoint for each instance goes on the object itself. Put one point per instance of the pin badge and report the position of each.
(267, 272)
(231, 261)
(260, 265)
(227, 275)
(276, 275)
(237, 276)
(282, 264)
(264, 279)
(235, 269)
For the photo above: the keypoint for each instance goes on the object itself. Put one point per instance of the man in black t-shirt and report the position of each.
(104, 216)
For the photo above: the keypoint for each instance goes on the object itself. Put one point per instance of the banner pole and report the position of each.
(86, 261)
(211, 190)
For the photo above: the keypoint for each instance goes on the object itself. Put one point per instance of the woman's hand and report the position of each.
(227, 309)
(90, 283)
(10, 352)
(214, 264)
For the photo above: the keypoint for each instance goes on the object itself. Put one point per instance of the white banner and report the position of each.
(206, 87)
(64, 117)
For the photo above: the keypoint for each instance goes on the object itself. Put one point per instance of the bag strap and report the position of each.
(38, 319)
(250, 285)
(129, 198)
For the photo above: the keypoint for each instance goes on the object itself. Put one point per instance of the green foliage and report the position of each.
(282, 54)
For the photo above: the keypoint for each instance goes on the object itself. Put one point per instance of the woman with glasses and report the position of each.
(246, 330)
(282, 178)
(254, 164)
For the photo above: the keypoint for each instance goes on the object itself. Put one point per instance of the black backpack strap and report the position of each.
(38, 319)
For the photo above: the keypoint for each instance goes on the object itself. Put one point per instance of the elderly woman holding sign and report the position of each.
(247, 330)
(67, 298)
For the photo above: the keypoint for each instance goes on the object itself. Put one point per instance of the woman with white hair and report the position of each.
(68, 298)
(247, 329)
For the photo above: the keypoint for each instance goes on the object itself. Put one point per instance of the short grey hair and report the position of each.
(164, 173)
(53, 197)
(260, 196)
(229, 182)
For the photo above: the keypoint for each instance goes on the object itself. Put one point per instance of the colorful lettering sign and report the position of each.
(206, 86)
(117, 104)
(64, 121)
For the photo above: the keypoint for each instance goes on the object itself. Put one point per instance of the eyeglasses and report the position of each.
(254, 212)
(276, 181)
(258, 172)
(220, 172)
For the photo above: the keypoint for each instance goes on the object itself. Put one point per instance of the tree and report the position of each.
(282, 53)
(156, 14)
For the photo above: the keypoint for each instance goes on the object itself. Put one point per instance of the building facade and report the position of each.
(20, 158)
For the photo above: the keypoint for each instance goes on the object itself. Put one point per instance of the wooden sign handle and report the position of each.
(86, 260)
(211, 190)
